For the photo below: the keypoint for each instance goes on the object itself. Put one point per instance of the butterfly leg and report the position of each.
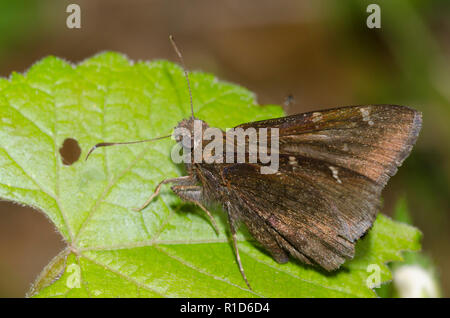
(236, 250)
(180, 180)
(194, 194)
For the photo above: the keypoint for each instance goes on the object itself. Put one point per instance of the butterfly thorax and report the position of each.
(189, 133)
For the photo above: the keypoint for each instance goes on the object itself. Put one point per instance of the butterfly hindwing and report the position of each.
(315, 222)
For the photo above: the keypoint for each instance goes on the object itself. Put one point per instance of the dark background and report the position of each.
(321, 52)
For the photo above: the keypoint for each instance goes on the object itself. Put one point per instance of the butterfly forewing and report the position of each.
(372, 140)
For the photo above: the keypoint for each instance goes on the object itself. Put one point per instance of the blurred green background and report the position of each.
(321, 52)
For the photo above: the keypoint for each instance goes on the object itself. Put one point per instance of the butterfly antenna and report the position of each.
(288, 102)
(172, 40)
(107, 144)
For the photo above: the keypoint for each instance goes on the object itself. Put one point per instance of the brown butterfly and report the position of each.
(325, 194)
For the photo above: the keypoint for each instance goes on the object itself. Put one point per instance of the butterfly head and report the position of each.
(189, 132)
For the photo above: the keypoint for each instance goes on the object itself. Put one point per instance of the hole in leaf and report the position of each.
(70, 151)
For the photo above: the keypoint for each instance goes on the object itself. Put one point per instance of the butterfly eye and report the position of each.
(185, 140)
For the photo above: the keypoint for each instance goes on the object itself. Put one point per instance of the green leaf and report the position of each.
(170, 249)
